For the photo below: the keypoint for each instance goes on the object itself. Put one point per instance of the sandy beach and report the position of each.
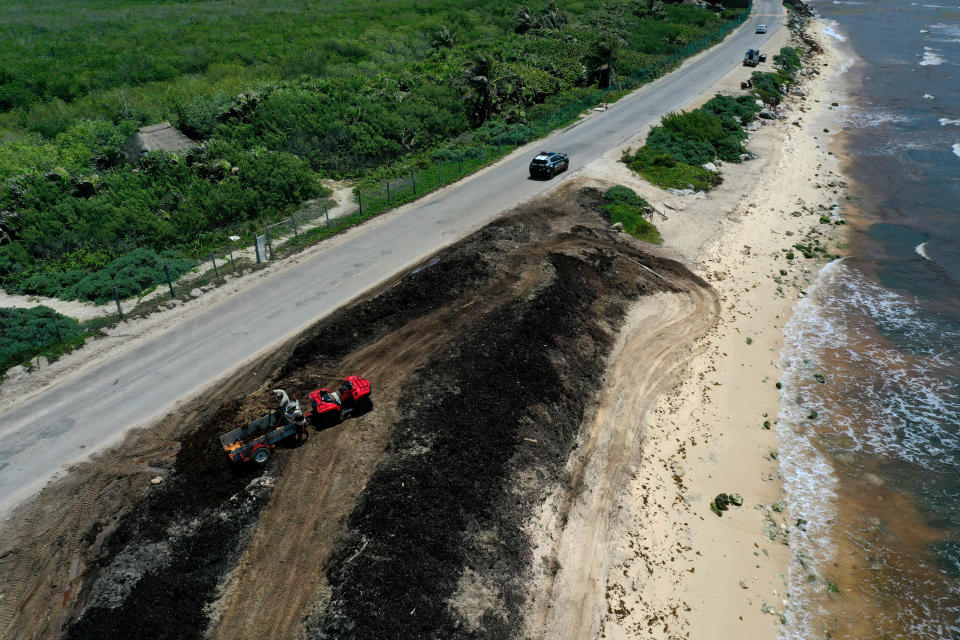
(669, 567)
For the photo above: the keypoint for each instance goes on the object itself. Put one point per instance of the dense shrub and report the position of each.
(129, 275)
(25, 332)
(627, 208)
(732, 111)
(686, 150)
(788, 60)
(620, 194)
(766, 86)
(663, 170)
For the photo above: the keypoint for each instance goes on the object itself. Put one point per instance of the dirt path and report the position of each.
(575, 525)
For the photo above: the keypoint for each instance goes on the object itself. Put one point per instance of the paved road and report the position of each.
(95, 408)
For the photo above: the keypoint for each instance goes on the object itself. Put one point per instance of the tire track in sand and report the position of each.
(576, 522)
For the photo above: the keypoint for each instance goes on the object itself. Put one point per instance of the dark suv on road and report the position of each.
(548, 164)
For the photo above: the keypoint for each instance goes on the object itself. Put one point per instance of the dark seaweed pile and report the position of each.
(502, 399)
(168, 602)
(443, 502)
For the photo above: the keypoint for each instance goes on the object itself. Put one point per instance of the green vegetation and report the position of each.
(766, 84)
(675, 150)
(627, 208)
(280, 97)
(24, 334)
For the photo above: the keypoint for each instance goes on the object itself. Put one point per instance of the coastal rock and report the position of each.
(681, 192)
(767, 114)
(753, 125)
(746, 156)
(195, 293)
(617, 226)
(797, 92)
(710, 167)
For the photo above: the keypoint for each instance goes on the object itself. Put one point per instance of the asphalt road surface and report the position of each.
(95, 408)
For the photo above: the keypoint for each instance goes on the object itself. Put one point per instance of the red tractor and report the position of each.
(330, 407)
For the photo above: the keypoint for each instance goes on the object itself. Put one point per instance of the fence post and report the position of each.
(233, 266)
(269, 246)
(360, 201)
(413, 176)
(439, 173)
(256, 248)
(326, 212)
(388, 192)
(459, 161)
(116, 298)
(293, 221)
(166, 270)
(216, 271)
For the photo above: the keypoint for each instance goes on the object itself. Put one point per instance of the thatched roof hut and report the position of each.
(156, 137)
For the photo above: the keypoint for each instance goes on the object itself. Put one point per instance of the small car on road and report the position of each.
(548, 164)
(761, 28)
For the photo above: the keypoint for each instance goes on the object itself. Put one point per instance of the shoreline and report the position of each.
(675, 569)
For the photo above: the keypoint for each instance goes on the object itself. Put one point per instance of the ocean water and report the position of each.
(869, 426)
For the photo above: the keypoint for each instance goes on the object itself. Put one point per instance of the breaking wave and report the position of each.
(830, 28)
(861, 366)
(931, 58)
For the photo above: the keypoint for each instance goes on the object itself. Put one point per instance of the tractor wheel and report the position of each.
(366, 404)
(261, 455)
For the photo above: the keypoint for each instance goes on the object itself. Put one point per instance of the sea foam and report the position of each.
(931, 58)
(898, 400)
(831, 30)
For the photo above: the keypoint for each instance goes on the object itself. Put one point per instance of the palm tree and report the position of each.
(553, 18)
(601, 62)
(650, 9)
(444, 38)
(9, 224)
(481, 86)
(524, 20)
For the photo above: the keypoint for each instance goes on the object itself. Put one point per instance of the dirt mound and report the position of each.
(484, 362)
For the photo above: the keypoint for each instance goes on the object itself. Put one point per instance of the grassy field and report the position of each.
(281, 95)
